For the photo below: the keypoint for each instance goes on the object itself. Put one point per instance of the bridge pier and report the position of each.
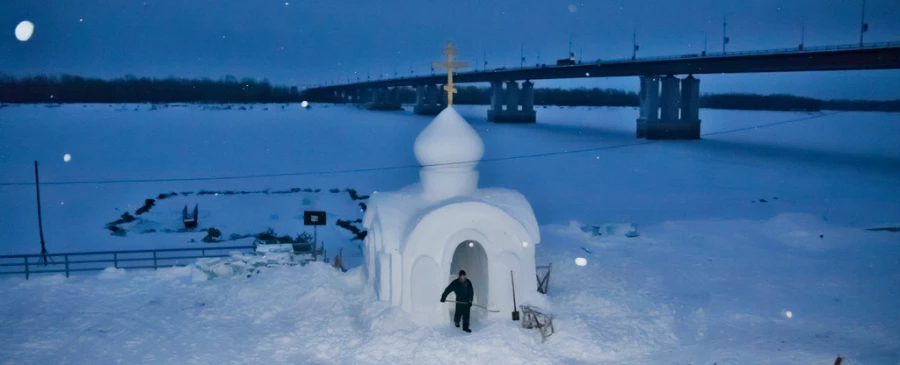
(513, 98)
(427, 100)
(659, 111)
(385, 99)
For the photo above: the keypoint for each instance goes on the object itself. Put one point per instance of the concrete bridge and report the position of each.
(669, 105)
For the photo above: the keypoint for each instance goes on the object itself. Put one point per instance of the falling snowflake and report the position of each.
(24, 30)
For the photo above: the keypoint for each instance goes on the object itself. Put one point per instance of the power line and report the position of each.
(402, 167)
(773, 124)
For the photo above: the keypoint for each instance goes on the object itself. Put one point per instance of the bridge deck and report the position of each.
(839, 58)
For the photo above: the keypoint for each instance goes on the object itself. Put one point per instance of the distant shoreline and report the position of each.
(67, 89)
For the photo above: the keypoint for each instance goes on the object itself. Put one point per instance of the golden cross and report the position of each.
(449, 51)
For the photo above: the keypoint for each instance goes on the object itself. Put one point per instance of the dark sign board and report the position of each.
(313, 218)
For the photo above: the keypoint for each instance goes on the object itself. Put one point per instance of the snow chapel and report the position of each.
(421, 236)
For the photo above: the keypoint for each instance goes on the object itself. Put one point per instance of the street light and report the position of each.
(863, 27)
(705, 39)
(634, 45)
(725, 39)
(522, 55)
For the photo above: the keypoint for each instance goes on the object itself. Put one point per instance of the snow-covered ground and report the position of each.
(716, 274)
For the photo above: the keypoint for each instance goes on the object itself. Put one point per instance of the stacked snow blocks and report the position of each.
(659, 116)
(385, 99)
(519, 104)
(430, 99)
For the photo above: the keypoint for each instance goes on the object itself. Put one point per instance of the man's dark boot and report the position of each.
(467, 330)
(457, 325)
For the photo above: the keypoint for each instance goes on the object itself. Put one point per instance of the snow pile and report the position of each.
(807, 232)
(111, 273)
(239, 264)
(285, 315)
(607, 229)
(697, 292)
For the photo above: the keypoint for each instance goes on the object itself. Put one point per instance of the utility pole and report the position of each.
(570, 48)
(484, 68)
(863, 27)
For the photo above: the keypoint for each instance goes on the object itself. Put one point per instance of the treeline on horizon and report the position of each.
(130, 89)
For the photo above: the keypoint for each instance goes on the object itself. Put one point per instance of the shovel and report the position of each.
(479, 306)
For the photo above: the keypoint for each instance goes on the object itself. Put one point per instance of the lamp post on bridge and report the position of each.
(725, 39)
(634, 45)
(705, 39)
(522, 56)
(863, 27)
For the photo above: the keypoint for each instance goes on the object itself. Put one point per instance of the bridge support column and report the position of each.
(664, 121)
(429, 102)
(527, 98)
(442, 96)
(513, 98)
(649, 109)
(420, 97)
(386, 99)
(690, 107)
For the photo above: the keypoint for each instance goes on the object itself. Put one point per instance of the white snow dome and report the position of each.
(448, 139)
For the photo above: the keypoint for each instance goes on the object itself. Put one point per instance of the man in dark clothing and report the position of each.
(462, 287)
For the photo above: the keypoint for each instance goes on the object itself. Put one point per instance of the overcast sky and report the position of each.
(297, 42)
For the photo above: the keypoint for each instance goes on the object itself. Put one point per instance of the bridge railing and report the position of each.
(99, 260)
(841, 47)
(724, 54)
(773, 51)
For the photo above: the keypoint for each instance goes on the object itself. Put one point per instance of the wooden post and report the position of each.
(154, 260)
(515, 313)
(115, 260)
(26, 268)
(67, 265)
(37, 186)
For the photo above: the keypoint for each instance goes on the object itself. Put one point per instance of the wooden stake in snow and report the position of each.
(37, 186)
(515, 313)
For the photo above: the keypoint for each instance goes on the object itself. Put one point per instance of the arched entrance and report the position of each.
(471, 257)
